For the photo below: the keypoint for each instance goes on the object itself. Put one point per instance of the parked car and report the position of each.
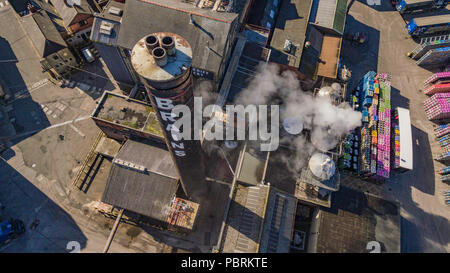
(88, 55)
(10, 230)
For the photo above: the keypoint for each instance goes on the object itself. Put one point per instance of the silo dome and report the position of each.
(322, 166)
(293, 125)
(328, 92)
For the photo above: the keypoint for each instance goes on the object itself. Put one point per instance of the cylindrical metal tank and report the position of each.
(322, 166)
(165, 70)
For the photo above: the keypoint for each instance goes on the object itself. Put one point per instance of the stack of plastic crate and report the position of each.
(446, 148)
(384, 127)
(438, 88)
(442, 129)
(445, 170)
(443, 157)
(396, 146)
(440, 76)
(444, 140)
(438, 106)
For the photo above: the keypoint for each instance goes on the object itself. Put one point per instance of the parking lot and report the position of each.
(425, 216)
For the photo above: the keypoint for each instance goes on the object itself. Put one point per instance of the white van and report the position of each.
(88, 55)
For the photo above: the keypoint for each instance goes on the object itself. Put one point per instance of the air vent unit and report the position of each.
(106, 28)
(115, 11)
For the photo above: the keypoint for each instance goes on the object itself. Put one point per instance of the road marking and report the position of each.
(27, 92)
(76, 130)
(50, 127)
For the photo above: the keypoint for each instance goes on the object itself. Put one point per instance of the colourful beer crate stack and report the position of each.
(438, 88)
(438, 106)
(437, 77)
(384, 126)
(442, 130)
(443, 157)
(445, 170)
(444, 140)
(396, 146)
(375, 149)
(445, 177)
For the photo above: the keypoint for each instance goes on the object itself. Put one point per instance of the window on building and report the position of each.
(55, 57)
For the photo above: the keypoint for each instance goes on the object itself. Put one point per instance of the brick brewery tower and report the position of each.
(163, 62)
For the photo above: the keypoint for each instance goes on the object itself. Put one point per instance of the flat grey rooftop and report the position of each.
(127, 112)
(99, 37)
(291, 25)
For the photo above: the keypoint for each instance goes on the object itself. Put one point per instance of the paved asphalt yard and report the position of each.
(36, 172)
(425, 217)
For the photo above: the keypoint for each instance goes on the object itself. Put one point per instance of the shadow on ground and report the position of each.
(23, 200)
(367, 53)
(22, 115)
(378, 5)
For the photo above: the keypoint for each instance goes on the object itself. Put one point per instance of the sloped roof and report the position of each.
(43, 33)
(148, 192)
(68, 12)
(207, 35)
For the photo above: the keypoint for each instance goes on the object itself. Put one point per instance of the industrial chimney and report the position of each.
(163, 62)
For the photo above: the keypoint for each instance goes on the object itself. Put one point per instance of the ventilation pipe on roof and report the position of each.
(160, 56)
(151, 42)
(169, 45)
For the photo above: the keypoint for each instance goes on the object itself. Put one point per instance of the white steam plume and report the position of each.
(326, 121)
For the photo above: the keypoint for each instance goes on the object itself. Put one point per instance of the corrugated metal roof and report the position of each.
(279, 223)
(331, 14)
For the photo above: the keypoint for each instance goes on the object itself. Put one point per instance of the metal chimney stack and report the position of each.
(163, 62)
